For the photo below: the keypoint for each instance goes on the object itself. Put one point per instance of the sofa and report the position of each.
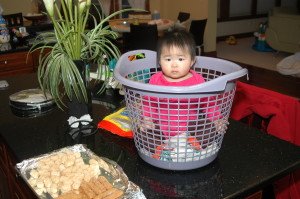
(283, 31)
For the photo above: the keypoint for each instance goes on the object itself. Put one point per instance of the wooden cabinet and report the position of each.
(12, 186)
(19, 188)
(36, 57)
(4, 188)
(16, 62)
(4, 178)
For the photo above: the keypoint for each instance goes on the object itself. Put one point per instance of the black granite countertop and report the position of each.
(248, 160)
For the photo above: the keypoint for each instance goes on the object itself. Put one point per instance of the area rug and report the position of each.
(244, 53)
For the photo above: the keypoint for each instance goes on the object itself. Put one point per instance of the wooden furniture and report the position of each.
(12, 186)
(16, 62)
(36, 18)
(139, 15)
(14, 20)
(272, 80)
(123, 25)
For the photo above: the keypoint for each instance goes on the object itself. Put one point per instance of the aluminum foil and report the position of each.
(109, 169)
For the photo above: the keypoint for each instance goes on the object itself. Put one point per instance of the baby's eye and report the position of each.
(168, 59)
(181, 59)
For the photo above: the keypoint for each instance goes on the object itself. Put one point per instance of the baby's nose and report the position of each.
(174, 64)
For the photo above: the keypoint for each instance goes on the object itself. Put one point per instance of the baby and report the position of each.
(176, 55)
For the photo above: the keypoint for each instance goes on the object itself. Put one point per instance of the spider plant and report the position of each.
(57, 72)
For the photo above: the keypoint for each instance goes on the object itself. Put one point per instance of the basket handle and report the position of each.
(214, 85)
(218, 84)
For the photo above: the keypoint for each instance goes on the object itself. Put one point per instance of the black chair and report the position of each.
(14, 19)
(197, 29)
(142, 36)
(183, 16)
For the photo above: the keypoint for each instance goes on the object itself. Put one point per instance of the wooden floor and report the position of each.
(273, 80)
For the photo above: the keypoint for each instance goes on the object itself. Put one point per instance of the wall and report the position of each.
(171, 8)
(241, 26)
(248, 25)
(199, 9)
(15, 6)
(211, 35)
(208, 9)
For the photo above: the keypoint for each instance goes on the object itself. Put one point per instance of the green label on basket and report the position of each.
(136, 56)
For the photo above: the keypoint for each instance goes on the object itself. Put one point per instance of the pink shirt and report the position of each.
(158, 79)
(174, 114)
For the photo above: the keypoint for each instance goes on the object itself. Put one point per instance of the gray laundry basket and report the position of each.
(174, 127)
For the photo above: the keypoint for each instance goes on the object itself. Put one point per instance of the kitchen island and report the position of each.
(248, 161)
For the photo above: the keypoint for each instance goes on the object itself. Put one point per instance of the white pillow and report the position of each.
(290, 65)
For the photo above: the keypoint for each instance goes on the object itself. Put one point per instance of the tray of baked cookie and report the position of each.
(75, 172)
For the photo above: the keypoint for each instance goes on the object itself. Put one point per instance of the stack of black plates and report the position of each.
(31, 103)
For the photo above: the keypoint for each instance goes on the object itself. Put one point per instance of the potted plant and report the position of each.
(58, 71)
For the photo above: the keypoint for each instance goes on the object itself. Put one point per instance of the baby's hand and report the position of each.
(147, 123)
(221, 125)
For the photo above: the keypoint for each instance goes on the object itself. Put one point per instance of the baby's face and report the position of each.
(176, 63)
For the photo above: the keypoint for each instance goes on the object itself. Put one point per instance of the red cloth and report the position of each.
(284, 113)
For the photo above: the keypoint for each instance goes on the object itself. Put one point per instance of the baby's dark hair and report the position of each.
(179, 38)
